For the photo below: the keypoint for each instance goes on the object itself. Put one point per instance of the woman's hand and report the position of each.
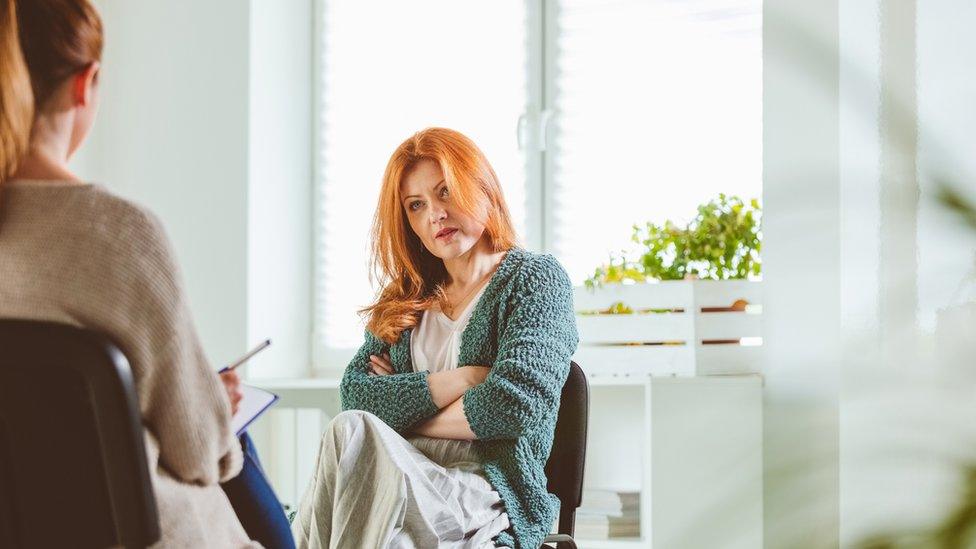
(477, 374)
(447, 386)
(450, 422)
(380, 365)
(232, 384)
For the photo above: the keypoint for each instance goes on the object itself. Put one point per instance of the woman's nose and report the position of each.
(437, 213)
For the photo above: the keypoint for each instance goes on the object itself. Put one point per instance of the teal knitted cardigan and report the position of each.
(524, 328)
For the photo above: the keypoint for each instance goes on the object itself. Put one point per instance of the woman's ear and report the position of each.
(84, 84)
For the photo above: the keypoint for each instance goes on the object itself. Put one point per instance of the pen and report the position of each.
(261, 346)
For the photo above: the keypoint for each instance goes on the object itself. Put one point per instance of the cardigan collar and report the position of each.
(400, 353)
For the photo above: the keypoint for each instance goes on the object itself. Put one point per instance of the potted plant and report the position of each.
(709, 265)
(723, 241)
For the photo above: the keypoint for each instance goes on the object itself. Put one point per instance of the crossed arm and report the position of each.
(447, 390)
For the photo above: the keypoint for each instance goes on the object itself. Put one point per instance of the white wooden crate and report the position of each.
(672, 330)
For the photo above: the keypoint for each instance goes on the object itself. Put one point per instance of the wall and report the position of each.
(868, 412)
(279, 236)
(204, 118)
(801, 278)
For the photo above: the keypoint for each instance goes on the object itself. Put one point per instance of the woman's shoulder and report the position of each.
(126, 226)
(129, 239)
(125, 213)
(122, 232)
(537, 268)
(87, 212)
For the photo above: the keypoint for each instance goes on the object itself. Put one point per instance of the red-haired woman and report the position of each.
(451, 402)
(75, 253)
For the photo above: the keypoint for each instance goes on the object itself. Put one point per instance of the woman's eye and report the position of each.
(443, 192)
(414, 205)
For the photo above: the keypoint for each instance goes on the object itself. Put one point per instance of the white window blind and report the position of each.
(387, 68)
(657, 108)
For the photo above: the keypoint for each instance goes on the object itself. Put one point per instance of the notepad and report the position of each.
(254, 403)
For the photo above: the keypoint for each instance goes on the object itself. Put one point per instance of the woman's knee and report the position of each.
(350, 419)
(344, 428)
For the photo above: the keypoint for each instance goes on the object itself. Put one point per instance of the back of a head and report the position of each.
(42, 43)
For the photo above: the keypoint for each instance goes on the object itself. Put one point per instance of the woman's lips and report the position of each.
(447, 234)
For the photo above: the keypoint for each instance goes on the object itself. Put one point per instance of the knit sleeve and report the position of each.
(400, 400)
(537, 342)
(182, 399)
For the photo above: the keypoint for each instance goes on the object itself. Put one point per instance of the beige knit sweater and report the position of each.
(80, 255)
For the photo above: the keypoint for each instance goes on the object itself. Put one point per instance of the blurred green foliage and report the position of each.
(721, 242)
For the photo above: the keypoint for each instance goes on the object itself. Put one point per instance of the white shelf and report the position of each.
(633, 543)
(323, 383)
(616, 380)
(296, 383)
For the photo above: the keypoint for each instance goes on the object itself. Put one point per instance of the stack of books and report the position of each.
(608, 514)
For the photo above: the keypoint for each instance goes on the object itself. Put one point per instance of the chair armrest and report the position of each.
(559, 539)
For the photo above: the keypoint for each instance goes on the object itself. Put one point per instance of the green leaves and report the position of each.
(722, 242)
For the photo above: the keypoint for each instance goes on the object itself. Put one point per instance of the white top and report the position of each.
(436, 343)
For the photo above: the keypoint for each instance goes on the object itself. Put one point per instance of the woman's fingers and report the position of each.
(232, 384)
(381, 364)
(236, 396)
(230, 379)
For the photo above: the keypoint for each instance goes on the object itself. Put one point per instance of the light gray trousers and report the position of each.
(372, 488)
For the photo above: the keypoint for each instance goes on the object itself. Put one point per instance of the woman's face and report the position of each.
(444, 230)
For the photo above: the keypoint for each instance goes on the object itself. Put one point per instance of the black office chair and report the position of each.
(73, 469)
(564, 469)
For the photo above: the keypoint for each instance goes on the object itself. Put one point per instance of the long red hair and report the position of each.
(411, 277)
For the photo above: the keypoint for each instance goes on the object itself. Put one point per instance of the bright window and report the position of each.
(596, 114)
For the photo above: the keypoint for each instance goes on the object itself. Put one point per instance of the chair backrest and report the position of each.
(564, 469)
(73, 469)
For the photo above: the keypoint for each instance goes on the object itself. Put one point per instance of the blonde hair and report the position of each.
(411, 277)
(16, 98)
